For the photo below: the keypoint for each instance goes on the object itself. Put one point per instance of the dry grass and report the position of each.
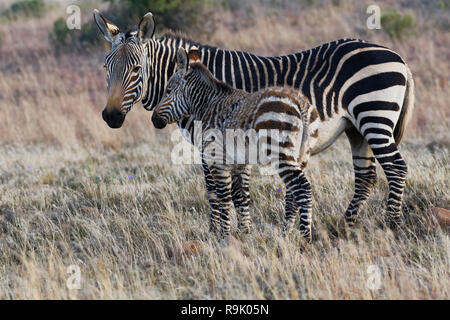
(128, 219)
(73, 191)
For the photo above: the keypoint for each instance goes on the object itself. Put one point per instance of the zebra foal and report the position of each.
(283, 122)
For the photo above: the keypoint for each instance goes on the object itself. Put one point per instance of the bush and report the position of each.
(395, 24)
(62, 37)
(60, 32)
(89, 35)
(172, 14)
(27, 8)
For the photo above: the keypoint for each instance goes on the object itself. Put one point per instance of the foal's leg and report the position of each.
(299, 188)
(222, 179)
(212, 198)
(240, 192)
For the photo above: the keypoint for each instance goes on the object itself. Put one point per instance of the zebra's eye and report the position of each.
(136, 68)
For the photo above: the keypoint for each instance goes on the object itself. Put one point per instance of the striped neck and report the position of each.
(161, 57)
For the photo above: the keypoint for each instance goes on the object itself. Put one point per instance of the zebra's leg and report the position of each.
(365, 173)
(299, 188)
(222, 180)
(390, 159)
(212, 199)
(291, 211)
(240, 192)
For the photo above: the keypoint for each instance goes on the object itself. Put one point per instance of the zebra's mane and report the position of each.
(200, 68)
(178, 35)
(132, 32)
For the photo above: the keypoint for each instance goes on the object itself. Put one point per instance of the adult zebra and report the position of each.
(362, 89)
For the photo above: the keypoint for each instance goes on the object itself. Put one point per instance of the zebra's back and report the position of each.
(331, 75)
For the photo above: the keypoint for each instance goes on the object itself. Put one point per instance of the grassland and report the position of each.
(74, 192)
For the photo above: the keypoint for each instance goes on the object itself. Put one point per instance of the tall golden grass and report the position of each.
(75, 192)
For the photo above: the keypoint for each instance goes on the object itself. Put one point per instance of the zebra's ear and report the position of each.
(193, 55)
(146, 27)
(182, 61)
(107, 28)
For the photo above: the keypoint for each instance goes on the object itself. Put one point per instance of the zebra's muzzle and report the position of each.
(158, 122)
(114, 119)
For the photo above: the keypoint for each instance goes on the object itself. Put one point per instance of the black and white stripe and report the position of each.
(360, 88)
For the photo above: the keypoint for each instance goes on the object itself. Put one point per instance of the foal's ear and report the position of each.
(107, 28)
(146, 27)
(182, 61)
(193, 55)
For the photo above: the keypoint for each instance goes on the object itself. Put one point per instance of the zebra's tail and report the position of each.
(407, 108)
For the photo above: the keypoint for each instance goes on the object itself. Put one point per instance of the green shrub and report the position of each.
(443, 4)
(397, 25)
(27, 8)
(89, 35)
(172, 14)
(60, 32)
(62, 37)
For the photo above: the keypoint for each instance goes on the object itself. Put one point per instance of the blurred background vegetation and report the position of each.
(197, 16)
(200, 16)
(47, 67)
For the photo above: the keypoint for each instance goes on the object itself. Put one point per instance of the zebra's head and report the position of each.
(176, 103)
(126, 66)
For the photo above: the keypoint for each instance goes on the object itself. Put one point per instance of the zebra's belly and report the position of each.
(325, 133)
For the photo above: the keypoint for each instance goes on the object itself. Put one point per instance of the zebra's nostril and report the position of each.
(117, 114)
(104, 115)
(114, 119)
(158, 122)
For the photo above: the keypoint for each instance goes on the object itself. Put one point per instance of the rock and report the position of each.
(440, 216)
(167, 218)
(191, 247)
(91, 210)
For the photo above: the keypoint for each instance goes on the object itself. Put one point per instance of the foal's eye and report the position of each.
(136, 68)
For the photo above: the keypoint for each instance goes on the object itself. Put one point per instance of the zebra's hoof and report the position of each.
(285, 232)
(394, 223)
(244, 229)
(350, 220)
(213, 228)
(305, 244)
(350, 223)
